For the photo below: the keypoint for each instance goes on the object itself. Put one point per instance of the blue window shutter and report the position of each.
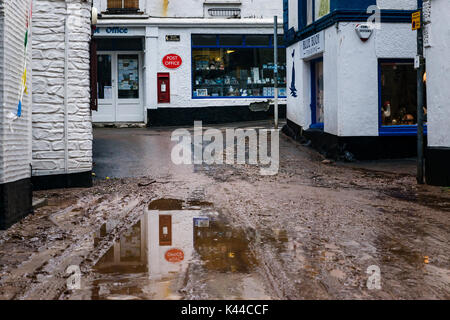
(285, 16)
(302, 9)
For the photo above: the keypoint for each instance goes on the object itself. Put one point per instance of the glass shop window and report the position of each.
(257, 40)
(230, 40)
(316, 9)
(309, 12)
(104, 79)
(237, 72)
(398, 94)
(204, 40)
(128, 76)
(322, 8)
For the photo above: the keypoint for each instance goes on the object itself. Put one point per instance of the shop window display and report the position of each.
(237, 71)
(128, 73)
(398, 94)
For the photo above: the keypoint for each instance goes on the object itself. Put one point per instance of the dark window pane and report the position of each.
(398, 94)
(280, 41)
(104, 76)
(257, 40)
(230, 40)
(204, 40)
(129, 44)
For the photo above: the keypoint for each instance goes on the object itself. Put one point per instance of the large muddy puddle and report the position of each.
(178, 250)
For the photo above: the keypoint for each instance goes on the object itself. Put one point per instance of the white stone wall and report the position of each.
(350, 77)
(15, 136)
(195, 8)
(438, 75)
(397, 4)
(54, 151)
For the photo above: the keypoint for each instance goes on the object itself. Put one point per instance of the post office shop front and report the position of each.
(221, 75)
(172, 76)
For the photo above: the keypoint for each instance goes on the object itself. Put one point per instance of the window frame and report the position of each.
(303, 13)
(313, 104)
(242, 46)
(122, 9)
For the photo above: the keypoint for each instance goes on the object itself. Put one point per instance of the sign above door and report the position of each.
(313, 45)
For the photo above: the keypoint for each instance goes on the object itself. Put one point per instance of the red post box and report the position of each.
(163, 87)
(165, 230)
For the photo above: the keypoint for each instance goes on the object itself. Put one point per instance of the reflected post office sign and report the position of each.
(174, 255)
(313, 45)
(201, 222)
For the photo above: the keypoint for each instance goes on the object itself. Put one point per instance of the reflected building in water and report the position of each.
(155, 256)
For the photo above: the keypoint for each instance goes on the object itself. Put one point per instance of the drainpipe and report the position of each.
(66, 98)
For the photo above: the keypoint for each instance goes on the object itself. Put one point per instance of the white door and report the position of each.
(105, 80)
(119, 87)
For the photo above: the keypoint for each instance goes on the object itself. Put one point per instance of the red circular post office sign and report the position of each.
(172, 61)
(174, 255)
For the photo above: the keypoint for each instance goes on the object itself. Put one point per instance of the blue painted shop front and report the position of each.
(397, 83)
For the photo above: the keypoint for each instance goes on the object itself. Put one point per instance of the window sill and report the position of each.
(317, 126)
(240, 97)
(111, 14)
(400, 130)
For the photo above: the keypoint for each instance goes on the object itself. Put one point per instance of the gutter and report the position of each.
(192, 23)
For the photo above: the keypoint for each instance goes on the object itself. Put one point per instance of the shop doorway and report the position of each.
(317, 94)
(119, 87)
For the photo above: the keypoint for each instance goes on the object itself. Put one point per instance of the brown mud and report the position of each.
(309, 232)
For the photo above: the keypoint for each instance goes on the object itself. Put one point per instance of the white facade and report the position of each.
(62, 127)
(351, 105)
(161, 18)
(438, 75)
(15, 133)
(198, 8)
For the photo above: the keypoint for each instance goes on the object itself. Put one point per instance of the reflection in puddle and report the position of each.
(156, 258)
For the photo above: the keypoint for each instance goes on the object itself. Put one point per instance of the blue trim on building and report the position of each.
(386, 131)
(319, 125)
(239, 97)
(313, 105)
(285, 15)
(340, 15)
(243, 45)
(351, 4)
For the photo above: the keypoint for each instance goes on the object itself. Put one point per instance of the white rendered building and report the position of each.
(173, 62)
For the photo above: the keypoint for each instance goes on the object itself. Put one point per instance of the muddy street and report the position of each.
(150, 229)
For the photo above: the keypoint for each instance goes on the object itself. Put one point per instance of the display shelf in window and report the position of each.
(236, 72)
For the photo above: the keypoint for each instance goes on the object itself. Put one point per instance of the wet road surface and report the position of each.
(310, 232)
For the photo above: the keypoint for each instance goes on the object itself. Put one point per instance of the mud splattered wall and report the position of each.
(438, 75)
(15, 134)
(55, 150)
